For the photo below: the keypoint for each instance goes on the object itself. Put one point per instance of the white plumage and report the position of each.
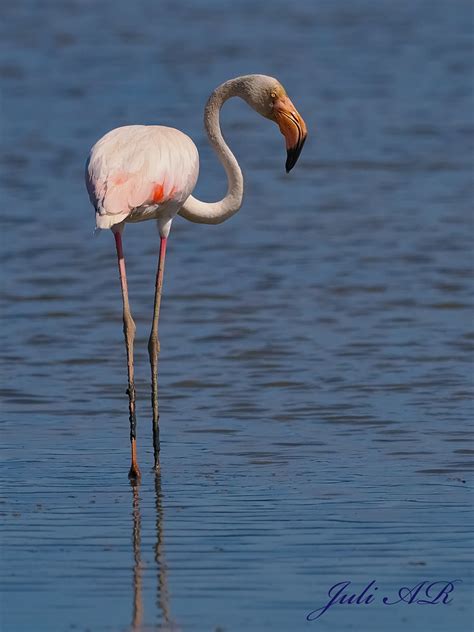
(141, 172)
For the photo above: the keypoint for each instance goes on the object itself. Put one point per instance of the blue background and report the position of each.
(316, 364)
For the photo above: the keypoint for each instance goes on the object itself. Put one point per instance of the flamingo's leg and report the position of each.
(129, 332)
(154, 349)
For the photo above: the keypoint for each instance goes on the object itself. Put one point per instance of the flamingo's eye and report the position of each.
(273, 95)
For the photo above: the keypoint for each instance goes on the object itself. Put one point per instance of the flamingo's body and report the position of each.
(139, 172)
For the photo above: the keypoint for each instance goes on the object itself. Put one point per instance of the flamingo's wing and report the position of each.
(136, 166)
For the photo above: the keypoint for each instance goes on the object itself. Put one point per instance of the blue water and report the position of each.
(316, 350)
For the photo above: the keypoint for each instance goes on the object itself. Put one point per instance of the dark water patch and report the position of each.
(447, 470)
(223, 431)
(315, 349)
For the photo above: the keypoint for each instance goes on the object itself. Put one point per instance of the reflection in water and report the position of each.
(162, 595)
(137, 615)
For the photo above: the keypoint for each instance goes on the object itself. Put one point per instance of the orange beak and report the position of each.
(292, 127)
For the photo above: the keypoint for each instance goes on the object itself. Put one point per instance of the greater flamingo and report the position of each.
(141, 172)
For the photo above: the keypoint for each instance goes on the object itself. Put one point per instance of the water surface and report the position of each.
(316, 365)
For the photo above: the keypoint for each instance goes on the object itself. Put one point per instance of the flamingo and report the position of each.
(141, 172)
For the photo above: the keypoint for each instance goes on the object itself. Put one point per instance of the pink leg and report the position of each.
(154, 349)
(129, 332)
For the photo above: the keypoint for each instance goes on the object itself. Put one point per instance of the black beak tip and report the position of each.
(291, 159)
(293, 154)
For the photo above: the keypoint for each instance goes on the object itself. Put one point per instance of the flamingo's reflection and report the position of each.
(137, 614)
(162, 596)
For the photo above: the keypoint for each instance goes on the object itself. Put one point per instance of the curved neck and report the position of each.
(216, 212)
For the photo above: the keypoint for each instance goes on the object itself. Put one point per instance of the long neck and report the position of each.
(217, 212)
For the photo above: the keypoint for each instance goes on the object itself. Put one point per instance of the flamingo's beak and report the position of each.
(292, 127)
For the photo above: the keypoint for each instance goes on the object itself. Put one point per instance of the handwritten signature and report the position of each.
(423, 593)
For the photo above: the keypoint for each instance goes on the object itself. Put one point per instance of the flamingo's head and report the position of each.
(268, 97)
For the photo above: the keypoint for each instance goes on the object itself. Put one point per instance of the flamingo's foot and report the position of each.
(134, 474)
